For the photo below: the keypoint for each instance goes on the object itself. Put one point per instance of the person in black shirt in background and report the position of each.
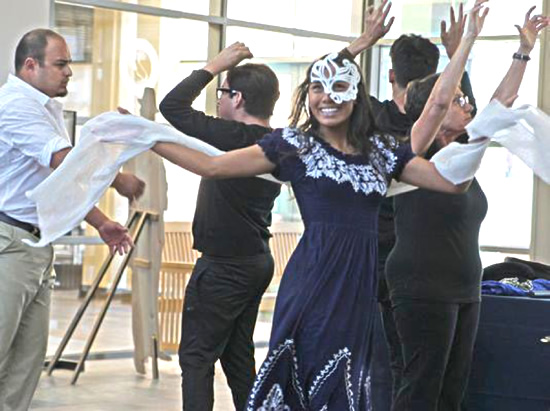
(413, 57)
(230, 229)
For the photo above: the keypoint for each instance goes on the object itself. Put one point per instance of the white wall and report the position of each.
(16, 18)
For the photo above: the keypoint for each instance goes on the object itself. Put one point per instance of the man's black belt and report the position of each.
(20, 224)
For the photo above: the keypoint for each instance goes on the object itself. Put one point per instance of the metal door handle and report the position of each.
(545, 340)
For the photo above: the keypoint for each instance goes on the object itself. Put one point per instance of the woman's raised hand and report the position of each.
(377, 26)
(451, 37)
(532, 26)
(476, 18)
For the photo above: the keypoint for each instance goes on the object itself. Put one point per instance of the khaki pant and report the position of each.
(26, 280)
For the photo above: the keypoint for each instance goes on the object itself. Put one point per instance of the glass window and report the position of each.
(118, 54)
(508, 185)
(121, 53)
(343, 18)
(188, 6)
(489, 62)
(424, 16)
(506, 181)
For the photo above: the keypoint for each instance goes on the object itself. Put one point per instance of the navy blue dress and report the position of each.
(319, 348)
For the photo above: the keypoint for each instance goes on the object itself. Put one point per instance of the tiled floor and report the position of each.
(113, 384)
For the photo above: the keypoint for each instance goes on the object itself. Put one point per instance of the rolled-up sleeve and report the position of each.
(28, 130)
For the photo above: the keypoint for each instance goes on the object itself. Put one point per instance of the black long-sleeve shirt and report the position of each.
(232, 216)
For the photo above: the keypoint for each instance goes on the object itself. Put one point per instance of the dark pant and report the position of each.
(219, 315)
(388, 323)
(395, 350)
(382, 397)
(438, 342)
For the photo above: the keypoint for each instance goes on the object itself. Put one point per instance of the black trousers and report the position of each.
(437, 341)
(395, 350)
(219, 315)
(381, 400)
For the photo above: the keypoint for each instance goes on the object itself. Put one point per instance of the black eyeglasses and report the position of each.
(221, 90)
(461, 101)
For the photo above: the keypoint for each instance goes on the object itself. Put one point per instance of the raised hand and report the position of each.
(376, 27)
(115, 236)
(228, 58)
(476, 18)
(532, 26)
(451, 38)
(510, 84)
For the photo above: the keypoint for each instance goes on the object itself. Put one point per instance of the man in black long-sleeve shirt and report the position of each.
(230, 229)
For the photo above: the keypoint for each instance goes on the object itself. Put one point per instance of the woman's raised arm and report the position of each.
(426, 127)
(509, 86)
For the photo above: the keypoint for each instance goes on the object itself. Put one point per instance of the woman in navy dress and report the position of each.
(340, 170)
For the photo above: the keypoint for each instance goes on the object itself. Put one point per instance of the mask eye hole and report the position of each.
(316, 87)
(340, 87)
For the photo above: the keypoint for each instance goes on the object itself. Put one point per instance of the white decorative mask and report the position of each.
(327, 72)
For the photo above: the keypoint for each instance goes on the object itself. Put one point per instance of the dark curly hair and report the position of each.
(362, 124)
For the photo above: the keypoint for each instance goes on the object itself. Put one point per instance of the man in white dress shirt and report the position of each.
(33, 141)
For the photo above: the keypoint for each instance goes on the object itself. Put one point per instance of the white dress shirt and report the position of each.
(31, 130)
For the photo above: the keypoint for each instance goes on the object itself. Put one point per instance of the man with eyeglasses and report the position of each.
(230, 229)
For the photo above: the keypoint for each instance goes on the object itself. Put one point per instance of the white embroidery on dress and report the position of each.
(359, 388)
(368, 394)
(268, 365)
(329, 369)
(274, 400)
(364, 386)
(366, 178)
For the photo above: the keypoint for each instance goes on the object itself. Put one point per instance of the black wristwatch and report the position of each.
(519, 56)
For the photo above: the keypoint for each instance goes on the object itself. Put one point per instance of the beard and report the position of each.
(62, 93)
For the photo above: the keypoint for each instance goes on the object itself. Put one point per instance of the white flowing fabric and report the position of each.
(111, 139)
(106, 143)
(457, 162)
(524, 131)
